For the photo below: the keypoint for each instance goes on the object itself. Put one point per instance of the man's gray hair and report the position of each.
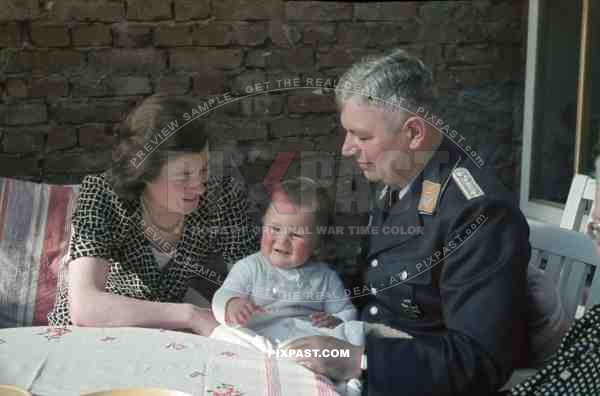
(380, 78)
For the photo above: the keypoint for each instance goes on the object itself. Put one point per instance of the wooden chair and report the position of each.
(579, 203)
(569, 258)
(578, 207)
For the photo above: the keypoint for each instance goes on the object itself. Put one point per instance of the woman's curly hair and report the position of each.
(144, 148)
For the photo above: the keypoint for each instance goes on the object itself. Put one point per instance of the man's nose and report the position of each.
(348, 148)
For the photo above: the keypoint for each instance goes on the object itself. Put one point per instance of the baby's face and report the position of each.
(287, 239)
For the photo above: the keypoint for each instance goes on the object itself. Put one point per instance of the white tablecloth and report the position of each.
(74, 360)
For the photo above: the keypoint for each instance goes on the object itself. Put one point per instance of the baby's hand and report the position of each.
(239, 311)
(322, 319)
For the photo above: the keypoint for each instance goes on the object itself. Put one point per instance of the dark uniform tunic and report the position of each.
(453, 275)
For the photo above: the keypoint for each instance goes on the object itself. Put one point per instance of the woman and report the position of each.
(575, 368)
(143, 228)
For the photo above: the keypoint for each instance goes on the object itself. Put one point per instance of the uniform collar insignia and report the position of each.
(436, 176)
(467, 184)
(430, 192)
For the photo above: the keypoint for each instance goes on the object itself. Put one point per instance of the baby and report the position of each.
(283, 292)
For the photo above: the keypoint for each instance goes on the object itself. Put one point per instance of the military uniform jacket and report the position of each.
(449, 269)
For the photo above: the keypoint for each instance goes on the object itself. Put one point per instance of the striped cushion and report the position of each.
(34, 234)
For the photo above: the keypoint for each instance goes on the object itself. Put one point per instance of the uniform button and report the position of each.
(373, 310)
(373, 291)
(374, 263)
(403, 275)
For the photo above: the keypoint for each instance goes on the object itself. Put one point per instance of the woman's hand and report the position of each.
(322, 319)
(201, 320)
(239, 311)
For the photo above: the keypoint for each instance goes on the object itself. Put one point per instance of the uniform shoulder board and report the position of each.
(467, 183)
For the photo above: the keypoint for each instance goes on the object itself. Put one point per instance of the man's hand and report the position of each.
(322, 319)
(338, 368)
(238, 311)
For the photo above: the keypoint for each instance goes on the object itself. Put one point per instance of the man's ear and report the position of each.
(416, 129)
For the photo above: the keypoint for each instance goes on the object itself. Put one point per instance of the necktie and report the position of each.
(390, 198)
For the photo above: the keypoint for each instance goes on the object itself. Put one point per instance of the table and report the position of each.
(73, 360)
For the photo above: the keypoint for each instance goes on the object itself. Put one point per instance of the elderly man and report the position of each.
(458, 284)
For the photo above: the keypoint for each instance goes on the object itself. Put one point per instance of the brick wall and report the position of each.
(71, 69)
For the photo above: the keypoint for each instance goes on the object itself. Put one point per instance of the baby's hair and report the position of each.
(306, 195)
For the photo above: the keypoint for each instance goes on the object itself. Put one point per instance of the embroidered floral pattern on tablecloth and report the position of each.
(225, 390)
(195, 374)
(109, 340)
(176, 346)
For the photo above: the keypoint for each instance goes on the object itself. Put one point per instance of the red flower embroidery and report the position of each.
(54, 333)
(225, 390)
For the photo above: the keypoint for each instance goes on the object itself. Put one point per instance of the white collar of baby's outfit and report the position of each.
(290, 273)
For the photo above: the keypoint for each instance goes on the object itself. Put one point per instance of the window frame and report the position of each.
(549, 212)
